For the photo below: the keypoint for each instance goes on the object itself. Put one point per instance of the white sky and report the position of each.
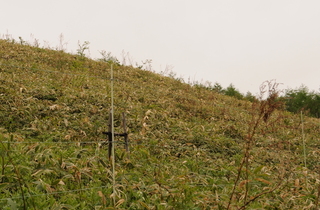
(227, 41)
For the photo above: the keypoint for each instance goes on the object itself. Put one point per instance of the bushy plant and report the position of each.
(302, 99)
(232, 91)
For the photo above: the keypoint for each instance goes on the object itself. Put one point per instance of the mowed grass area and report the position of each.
(190, 147)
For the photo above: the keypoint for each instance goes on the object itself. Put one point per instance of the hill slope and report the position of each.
(191, 148)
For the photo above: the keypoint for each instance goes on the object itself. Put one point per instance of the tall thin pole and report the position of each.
(113, 142)
(304, 143)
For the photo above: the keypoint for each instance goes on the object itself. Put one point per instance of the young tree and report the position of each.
(232, 91)
(303, 100)
(217, 87)
(250, 97)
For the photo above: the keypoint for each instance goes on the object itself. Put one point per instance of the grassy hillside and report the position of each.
(190, 148)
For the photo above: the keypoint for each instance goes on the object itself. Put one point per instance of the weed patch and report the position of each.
(191, 147)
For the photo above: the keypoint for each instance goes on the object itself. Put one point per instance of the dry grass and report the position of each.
(188, 143)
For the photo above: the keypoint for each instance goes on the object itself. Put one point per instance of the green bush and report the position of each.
(302, 99)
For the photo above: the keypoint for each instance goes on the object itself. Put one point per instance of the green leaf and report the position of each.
(258, 169)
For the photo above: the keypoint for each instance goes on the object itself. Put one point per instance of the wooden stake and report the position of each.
(126, 139)
(110, 140)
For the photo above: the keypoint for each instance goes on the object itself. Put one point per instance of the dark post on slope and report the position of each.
(109, 134)
(126, 139)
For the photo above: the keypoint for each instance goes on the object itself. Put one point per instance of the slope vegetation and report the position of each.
(190, 148)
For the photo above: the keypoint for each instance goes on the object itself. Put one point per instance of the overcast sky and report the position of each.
(243, 42)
